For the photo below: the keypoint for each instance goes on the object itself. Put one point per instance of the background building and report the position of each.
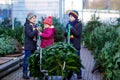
(58, 8)
(42, 8)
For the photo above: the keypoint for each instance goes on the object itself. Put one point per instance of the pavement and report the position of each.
(87, 61)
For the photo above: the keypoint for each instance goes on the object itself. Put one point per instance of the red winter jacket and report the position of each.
(47, 37)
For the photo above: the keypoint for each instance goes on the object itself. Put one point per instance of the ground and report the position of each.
(87, 61)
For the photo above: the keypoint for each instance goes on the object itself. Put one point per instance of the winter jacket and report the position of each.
(47, 37)
(75, 33)
(30, 34)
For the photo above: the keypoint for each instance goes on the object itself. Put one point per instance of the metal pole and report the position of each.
(60, 10)
(72, 4)
(82, 9)
(12, 3)
(63, 8)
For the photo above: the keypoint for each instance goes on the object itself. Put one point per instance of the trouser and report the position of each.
(79, 74)
(25, 61)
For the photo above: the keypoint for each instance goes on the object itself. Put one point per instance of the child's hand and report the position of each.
(33, 29)
(39, 33)
(39, 28)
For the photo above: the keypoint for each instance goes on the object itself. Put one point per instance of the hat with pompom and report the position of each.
(48, 20)
(74, 13)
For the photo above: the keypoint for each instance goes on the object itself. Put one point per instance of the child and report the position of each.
(48, 34)
(75, 36)
(30, 41)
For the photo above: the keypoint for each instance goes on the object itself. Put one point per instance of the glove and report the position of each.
(39, 28)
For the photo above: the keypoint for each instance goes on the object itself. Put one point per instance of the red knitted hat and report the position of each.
(48, 20)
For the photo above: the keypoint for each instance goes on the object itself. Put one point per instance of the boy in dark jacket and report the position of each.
(30, 44)
(75, 36)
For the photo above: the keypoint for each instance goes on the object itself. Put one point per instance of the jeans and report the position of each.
(79, 74)
(25, 61)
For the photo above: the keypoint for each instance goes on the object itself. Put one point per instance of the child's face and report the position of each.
(71, 18)
(46, 26)
(33, 19)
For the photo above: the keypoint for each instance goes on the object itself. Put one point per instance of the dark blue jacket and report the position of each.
(76, 31)
(30, 43)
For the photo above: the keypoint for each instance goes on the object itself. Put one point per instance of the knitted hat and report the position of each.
(30, 15)
(74, 13)
(48, 20)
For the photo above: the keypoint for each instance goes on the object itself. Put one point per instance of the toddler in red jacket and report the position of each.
(47, 36)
